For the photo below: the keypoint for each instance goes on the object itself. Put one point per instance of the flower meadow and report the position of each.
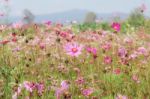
(55, 61)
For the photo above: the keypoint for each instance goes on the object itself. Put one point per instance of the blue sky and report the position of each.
(52, 6)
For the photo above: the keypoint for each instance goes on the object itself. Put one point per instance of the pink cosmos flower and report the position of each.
(106, 46)
(116, 26)
(104, 33)
(80, 80)
(124, 61)
(134, 55)
(143, 7)
(62, 89)
(17, 93)
(119, 96)
(42, 45)
(25, 85)
(73, 49)
(14, 39)
(19, 89)
(142, 51)
(88, 49)
(128, 40)
(87, 92)
(4, 42)
(122, 52)
(29, 86)
(135, 78)
(107, 60)
(63, 34)
(40, 88)
(17, 25)
(64, 85)
(59, 24)
(35, 41)
(117, 71)
(58, 93)
(16, 49)
(15, 96)
(13, 34)
(93, 51)
(2, 27)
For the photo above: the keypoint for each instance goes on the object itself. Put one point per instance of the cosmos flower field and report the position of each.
(52, 61)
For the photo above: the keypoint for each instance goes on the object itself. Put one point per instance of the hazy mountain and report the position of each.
(76, 14)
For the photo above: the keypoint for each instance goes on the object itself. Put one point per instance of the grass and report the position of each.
(50, 65)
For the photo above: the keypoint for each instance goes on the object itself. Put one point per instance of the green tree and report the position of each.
(28, 16)
(90, 17)
(136, 18)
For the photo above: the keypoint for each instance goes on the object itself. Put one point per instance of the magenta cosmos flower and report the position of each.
(116, 26)
(48, 23)
(73, 49)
